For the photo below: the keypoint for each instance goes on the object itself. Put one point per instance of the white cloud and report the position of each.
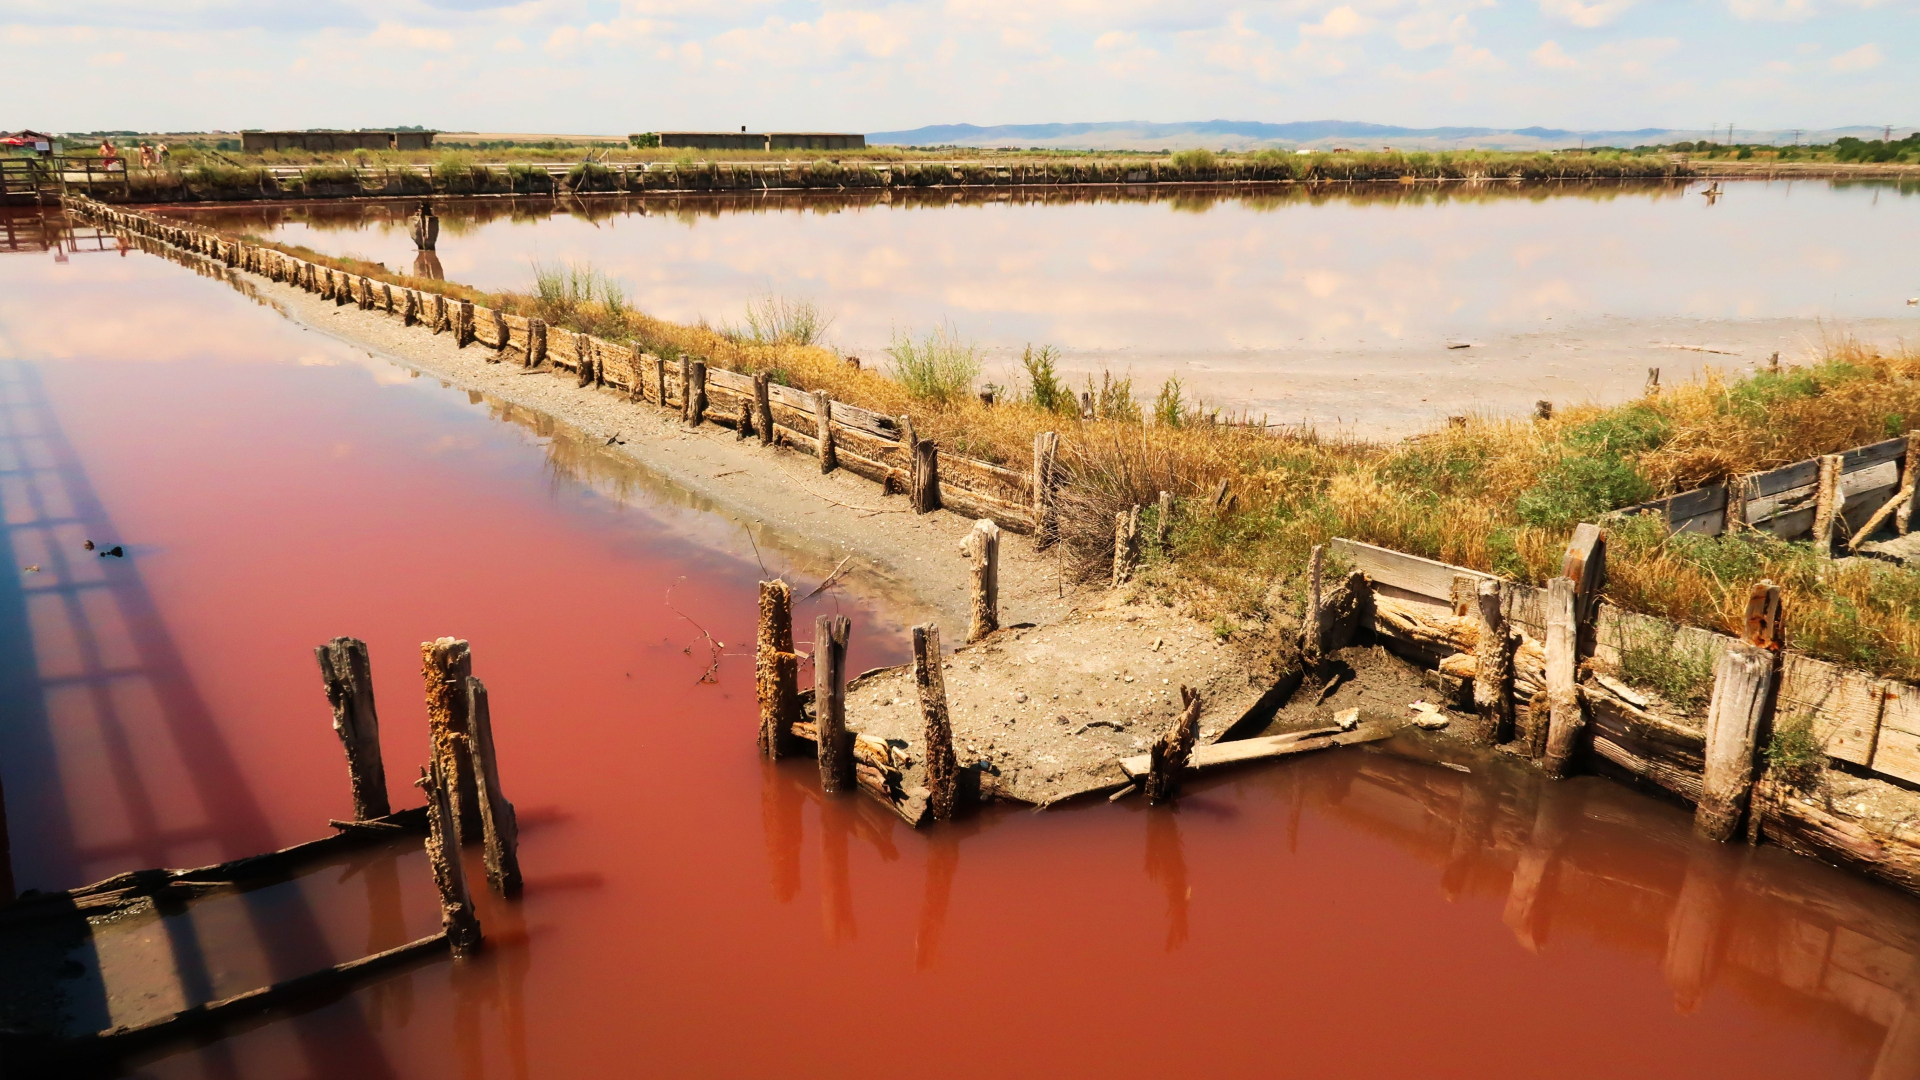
(1551, 55)
(393, 35)
(1774, 10)
(1860, 59)
(1584, 15)
(1341, 22)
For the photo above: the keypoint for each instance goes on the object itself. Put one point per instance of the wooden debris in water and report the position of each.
(457, 918)
(445, 664)
(348, 678)
(830, 634)
(776, 669)
(1167, 757)
(943, 768)
(499, 826)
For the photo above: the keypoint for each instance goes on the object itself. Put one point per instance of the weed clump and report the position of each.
(1653, 658)
(939, 367)
(1046, 391)
(778, 320)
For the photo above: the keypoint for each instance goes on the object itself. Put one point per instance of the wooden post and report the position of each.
(457, 917)
(366, 294)
(1585, 564)
(1493, 662)
(1311, 630)
(696, 393)
(1909, 474)
(499, 827)
(444, 666)
(943, 768)
(776, 669)
(763, 409)
(660, 381)
(743, 425)
(348, 679)
(1168, 756)
(500, 335)
(925, 477)
(1763, 628)
(686, 388)
(1827, 503)
(1046, 524)
(1126, 544)
(409, 308)
(1563, 697)
(583, 353)
(536, 342)
(823, 429)
(1740, 491)
(830, 633)
(1163, 526)
(1742, 697)
(982, 546)
(440, 318)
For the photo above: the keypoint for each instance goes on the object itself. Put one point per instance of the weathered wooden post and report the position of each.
(348, 679)
(457, 917)
(982, 546)
(536, 342)
(1828, 502)
(830, 633)
(696, 393)
(366, 293)
(583, 353)
(441, 320)
(1312, 626)
(776, 669)
(1585, 564)
(1740, 491)
(463, 324)
(925, 477)
(943, 768)
(410, 308)
(763, 409)
(1046, 523)
(1563, 697)
(1762, 627)
(743, 424)
(660, 381)
(1909, 479)
(499, 827)
(823, 430)
(1742, 698)
(500, 334)
(1493, 667)
(1168, 756)
(445, 664)
(1163, 525)
(1126, 545)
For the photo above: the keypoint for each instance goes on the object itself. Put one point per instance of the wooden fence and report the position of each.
(1787, 500)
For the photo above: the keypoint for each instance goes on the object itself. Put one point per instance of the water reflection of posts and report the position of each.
(943, 858)
(1167, 865)
(1900, 1051)
(426, 264)
(781, 798)
(1471, 834)
(836, 884)
(1695, 933)
(1525, 914)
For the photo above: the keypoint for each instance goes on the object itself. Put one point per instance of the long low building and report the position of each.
(254, 142)
(772, 140)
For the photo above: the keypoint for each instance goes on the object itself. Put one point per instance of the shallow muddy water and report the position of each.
(1337, 306)
(692, 911)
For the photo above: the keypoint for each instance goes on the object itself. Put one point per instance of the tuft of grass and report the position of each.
(1794, 755)
(1192, 161)
(1170, 409)
(1653, 658)
(939, 367)
(775, 320)
(1046, 391)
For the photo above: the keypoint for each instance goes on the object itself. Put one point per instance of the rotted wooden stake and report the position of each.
(445, 664)
(763, 409)
(776, 669)
(1126, 545)
(1740, 491)
(1312, 628)
(348, 679)
(342, 289)
(499, 827)
(1762, 628)
(943, 768)
(1828, 502)
(660, 381)
(743, 425)
(925, 477)
(982, 547)
(830, 634)
(696, 393)
(1163, 525)
(409, 307)
(457, 917)
(1168, 756)
(1910, 480)
(583, 355)
(536, 342)
(441, 321)
(500, 336)
(1563, 696)
(823, 430)
(1046, 522)
(1493, 664)
(366, 294)
(1742, 697)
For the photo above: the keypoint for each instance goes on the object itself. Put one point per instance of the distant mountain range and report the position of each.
(1318, 135)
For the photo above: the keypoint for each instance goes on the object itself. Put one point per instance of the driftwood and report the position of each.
(1240, 751)
(943, 768)
(776, 669)
(835, 745)
(348, 678)
(1167, 757)
(982, 548)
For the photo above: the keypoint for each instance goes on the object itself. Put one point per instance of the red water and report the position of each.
(691, 911)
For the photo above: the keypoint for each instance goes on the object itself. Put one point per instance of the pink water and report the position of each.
(692, 911)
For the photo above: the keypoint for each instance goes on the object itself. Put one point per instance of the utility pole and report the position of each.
(1886, 135)
(1796, 136)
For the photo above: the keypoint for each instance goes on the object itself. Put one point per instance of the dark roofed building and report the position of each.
(253, 142)
(774, 140)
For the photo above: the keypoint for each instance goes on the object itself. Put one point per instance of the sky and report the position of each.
(619, 66)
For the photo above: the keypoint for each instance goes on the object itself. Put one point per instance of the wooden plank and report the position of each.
(1800, 474)
(986, 477)
(872, 423)
(1896, 751)
(1789, 513)
(1423, 577)
(798, 400)
(729, 380)
(1010, 516)
(1865, 457)
(1213, 755)
(1843, 706)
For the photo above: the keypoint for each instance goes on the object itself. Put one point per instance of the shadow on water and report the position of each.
(100, 719)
